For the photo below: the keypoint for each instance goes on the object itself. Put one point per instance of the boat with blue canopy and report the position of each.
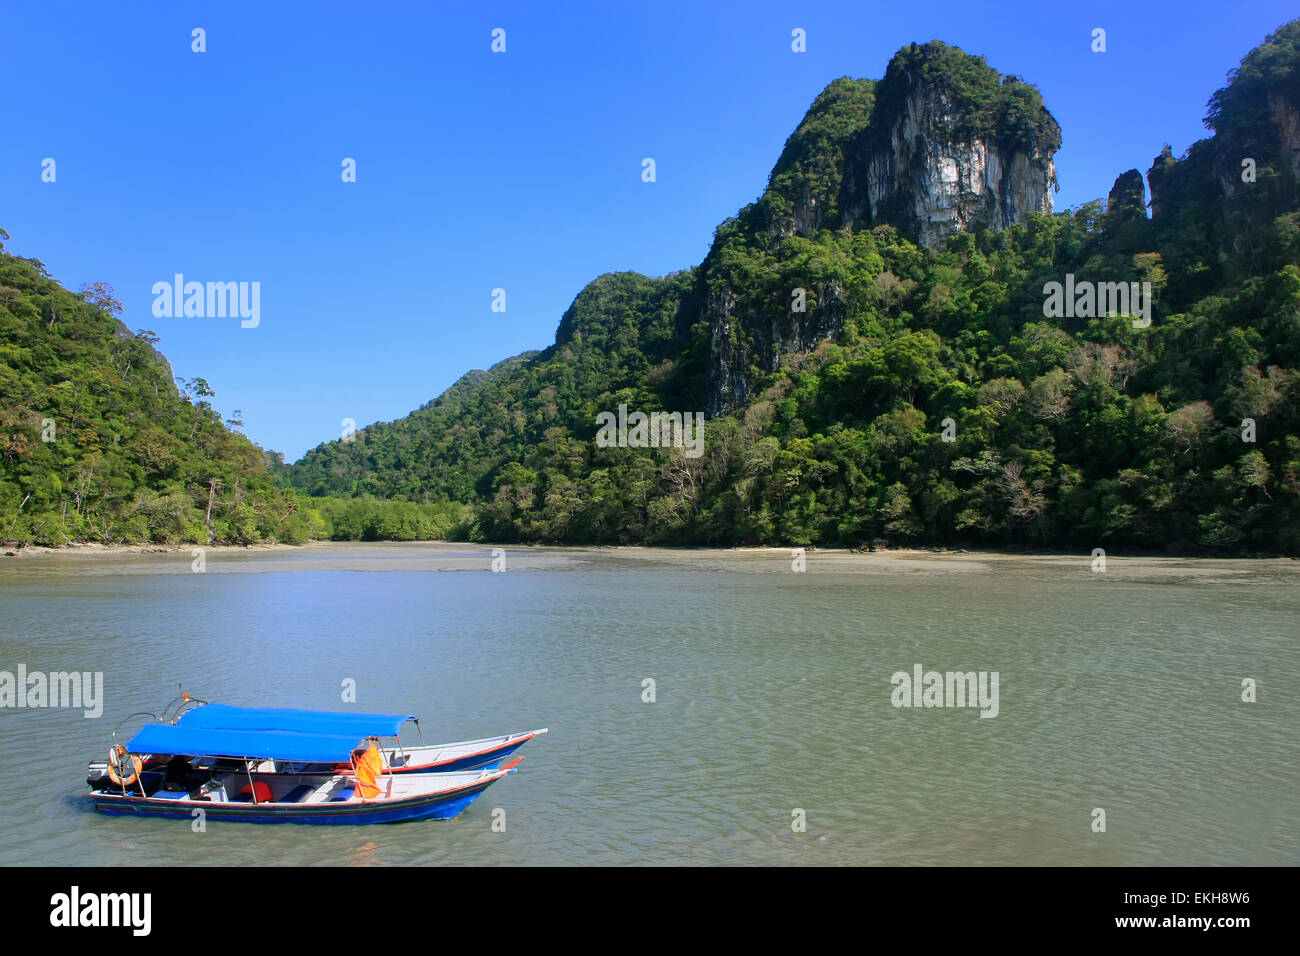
(235, 774)
(400, 758)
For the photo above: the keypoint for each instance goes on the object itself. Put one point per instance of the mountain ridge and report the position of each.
(902, 331)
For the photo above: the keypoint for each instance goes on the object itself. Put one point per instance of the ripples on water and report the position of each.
(1119, 691)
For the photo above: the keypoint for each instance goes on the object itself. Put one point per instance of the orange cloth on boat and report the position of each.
(369, 768)
(261, 791)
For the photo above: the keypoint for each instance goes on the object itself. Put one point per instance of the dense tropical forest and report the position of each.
(922, 397)
(99, 443)
(1069, 432)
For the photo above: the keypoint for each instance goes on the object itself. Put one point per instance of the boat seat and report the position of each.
(344, 794)
(297, 793)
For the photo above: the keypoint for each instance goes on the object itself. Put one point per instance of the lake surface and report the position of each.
(1119, 690)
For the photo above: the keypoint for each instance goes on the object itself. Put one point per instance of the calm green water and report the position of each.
(1119, 690)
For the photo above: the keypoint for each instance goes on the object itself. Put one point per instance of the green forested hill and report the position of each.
(615, 337)
(97, 443)
(1069, 432)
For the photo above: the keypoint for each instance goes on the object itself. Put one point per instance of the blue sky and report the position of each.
(478, 170)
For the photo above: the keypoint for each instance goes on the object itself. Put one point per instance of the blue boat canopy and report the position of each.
(168, 739)
(341, 723)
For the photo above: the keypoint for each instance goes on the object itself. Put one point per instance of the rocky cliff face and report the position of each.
(923, 176)
(1287, 117)
(1127, 194)
(941, 145)
(741, 334)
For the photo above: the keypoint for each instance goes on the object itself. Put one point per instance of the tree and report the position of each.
(103, 297)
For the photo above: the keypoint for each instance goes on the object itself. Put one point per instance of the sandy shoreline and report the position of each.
(120, 550)
(325, 556)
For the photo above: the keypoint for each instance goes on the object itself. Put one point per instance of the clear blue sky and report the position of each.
(478, 170)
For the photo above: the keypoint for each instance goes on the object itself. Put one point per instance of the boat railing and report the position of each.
(138, 713)
(116, 754)
(179, 706)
